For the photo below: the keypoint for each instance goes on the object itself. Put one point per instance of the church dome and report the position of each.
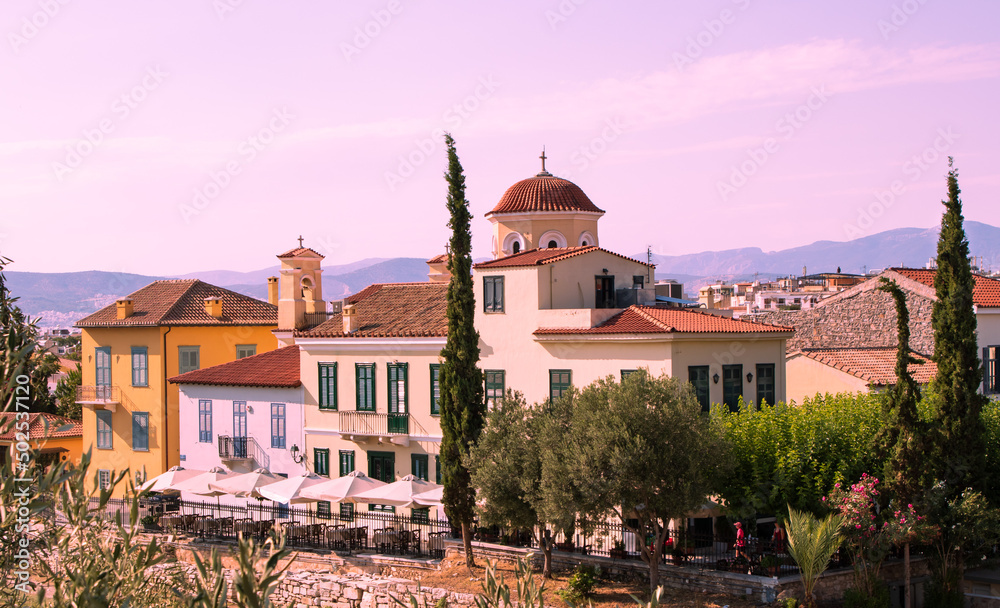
(544, 192)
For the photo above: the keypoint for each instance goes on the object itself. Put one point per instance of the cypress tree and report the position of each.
(462, 405)
(960, 459)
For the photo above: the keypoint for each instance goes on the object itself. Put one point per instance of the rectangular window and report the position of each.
(493, 294)
(420, 516)
(435, 389)
(140, 431)
(364, 376)
(418, 466)
(102, 367)
(991, 371)
(627, 372)
(323, 510)
(188, 359)
(398, 377)
(278, 425)
(765, 384)
(140, 366)
(328, 386)
(245, 350)
(698, 377)
(346, 511)
(382, 466)
(605, 292)
(559, 382)
(104, 479)
(346, 462)
(321, 461)
(732, 386)
(103, 429)
(495, 386)
(205, 421)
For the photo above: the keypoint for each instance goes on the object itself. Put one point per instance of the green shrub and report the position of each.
(581, 584)
(854, 598)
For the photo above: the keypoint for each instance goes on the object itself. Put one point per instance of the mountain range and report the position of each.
(60, 299)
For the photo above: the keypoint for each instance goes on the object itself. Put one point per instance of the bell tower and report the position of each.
(300, 287)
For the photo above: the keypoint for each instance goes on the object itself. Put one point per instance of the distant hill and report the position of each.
(911, 247)
(62, 298)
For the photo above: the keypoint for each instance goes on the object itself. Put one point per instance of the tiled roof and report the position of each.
(654, 320)
(985, 291)
(544, 192)
(276, 368)
(391, 310)
(875, 365)
(293, 253)
(182, 302)
(439, 259)
(36, 426)
(540, 257)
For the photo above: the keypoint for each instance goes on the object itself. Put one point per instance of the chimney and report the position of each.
(124, 307)
(350, 316)
(213, 306)
(272, 290)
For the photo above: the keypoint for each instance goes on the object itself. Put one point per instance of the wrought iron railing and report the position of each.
(372, 423)
(98, 394)
(243, 448)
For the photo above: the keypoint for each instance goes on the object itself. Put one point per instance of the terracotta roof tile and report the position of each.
(182, 302)
(36, 426)
(540, 257)
(292, 253)
(276, 368)
(439, 258)
(391, 310)
(985, 292)
(876, 365)
(654, 320)
(544, 192)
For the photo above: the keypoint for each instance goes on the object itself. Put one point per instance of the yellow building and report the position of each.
(130, 348)
(56, 438)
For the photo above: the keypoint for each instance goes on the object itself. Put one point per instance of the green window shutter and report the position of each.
(346, 462)
(493, 294)
(102, 365)
(495, 386)
(398, 380)
(732, 386)
(104, 435)
(559, 382)
(278, 425)
(140, 366)
(435, 389)
(698, 377)
(321, 461)
(418, 466)
(323, 510)
(140, 431)
(364, 374)
(765, 383)
(328, 386)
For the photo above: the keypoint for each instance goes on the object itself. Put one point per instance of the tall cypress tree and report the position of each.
(462, 405)
(960, 459)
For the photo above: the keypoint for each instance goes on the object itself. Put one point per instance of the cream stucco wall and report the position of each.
(532, 227)
(987, 327)
(807, 377)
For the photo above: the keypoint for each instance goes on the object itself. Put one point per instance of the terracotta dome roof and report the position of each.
(544, 192)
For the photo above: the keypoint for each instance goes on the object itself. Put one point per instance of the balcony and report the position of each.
(99, 397)
(359, 427)
(243, 451)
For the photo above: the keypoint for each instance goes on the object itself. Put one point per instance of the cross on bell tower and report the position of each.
(300, 241)
(544, 173)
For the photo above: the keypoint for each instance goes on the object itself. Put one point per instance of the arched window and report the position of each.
(517, 247)
(552, 244)
(586, 239)
(552, 238)
(512, 243)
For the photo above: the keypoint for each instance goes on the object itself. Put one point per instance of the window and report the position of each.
(418, 466)
(435, 389)
(346, 511)
(346, 462)
(698, 377)
(328, 386)
(765, 383)
(437, 469)
(364, 374)
(732, 386)
(321, 461)
(323, 510)
(559, 382)
(638, 281)
(278, 425)
(140, 431)
(516, 248)
(104, 479)
(552, 245)
(420, 516)
(991, 377)
(604, 287)
(102, 367)
(188, 359)
(205, 421)
(627, 372)
(140, 366)
(382, 466)
(239, 429)
(245, 350)
(282, 511)
(495, 386)
(493, 294)
(398, 377)
(103, 429)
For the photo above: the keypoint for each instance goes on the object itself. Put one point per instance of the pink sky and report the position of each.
(696, 126)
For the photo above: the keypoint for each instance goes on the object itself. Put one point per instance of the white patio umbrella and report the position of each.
(343, 488)
(430, 498)
(289, 491)
(398, 493)
(165, 482)
(245, 485)
(199, 483)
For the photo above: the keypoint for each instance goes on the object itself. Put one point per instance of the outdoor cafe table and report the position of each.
(386, 537)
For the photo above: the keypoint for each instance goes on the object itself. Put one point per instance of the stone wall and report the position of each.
(831, 586)
(861, 316)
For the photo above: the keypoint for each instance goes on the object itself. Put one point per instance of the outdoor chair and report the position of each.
(435, 543)
(360, 538)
